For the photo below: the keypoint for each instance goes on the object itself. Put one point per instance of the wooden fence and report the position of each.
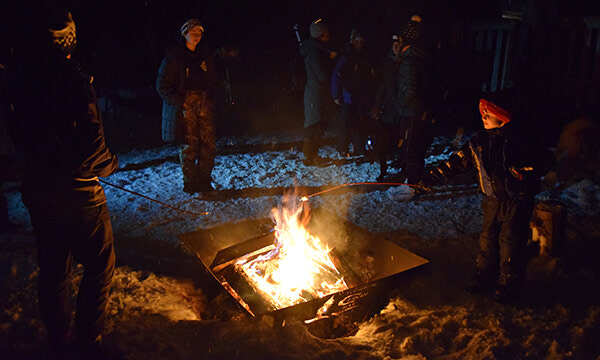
(564, 61)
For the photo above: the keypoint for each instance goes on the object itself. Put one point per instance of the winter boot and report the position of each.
(509, 285)
(61, 343)
(192, 187)
(506, 293)
(206, 187)
(481, 282)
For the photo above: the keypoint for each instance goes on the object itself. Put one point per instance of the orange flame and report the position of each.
(300, 267)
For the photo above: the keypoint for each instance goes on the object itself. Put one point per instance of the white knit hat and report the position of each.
(188, 25)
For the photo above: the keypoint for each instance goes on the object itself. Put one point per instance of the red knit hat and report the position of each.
(488, 107)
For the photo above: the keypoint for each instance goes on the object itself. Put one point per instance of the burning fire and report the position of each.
(300, 267)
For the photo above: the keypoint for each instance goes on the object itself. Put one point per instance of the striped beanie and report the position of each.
(62, 32)
(188, 25)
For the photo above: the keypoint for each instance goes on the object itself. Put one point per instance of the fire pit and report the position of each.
(345, 272)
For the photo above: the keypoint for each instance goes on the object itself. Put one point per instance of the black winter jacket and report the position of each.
(56, 122)
(56, 125)
(414, 78)
(508, 167)
(171, 83)
(173, 72)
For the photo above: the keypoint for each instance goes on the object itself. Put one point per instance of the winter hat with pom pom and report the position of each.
(411, 31)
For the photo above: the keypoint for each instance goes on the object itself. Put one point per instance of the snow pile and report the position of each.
(159, 310)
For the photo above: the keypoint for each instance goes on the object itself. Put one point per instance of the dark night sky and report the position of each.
(133, 33)
(121, 42)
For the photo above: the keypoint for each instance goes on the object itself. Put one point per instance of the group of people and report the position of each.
(55, 123)
(380, 107)
(392, 104)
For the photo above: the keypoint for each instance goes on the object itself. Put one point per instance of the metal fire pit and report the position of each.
(371, 267)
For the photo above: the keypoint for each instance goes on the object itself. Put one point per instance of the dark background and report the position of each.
(121, 43)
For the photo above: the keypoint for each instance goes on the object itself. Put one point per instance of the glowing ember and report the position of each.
(300, 267)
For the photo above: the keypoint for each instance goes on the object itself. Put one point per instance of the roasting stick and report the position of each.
(151, 199)
(305, 198)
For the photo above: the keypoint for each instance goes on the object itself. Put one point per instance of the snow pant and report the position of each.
(197, 155)
(65, 232)
(502, 243)
(387, 137)
(353, 129)
(416, 142)
(312, 140)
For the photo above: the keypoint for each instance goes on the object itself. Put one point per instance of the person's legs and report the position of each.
(189, 152)
(343, 139)
(487, 257)
(515, 216)
(312, 142)
(94, 249)
(207, 137)
(54, 261)
(416, 147)
(382, 139)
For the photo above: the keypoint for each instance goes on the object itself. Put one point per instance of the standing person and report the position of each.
(186, 82)
(411, 98)
(55, 123)
(387, 133)
(509, 167)
(316, 55)
(352, 87)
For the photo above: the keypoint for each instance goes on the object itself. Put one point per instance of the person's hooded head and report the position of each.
(319, 30)
(357, 39)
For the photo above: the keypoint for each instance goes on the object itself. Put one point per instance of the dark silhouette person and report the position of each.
(411, 98)
(352, 87)
(55, 123)
(388, 135)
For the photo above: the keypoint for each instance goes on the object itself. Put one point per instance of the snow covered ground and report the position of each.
(163, 307)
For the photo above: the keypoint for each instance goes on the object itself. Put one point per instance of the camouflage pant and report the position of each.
(198, 153)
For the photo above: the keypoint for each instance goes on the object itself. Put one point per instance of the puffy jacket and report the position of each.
(507, 166)
(413, 82)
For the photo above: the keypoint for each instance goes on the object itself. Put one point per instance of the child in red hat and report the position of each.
(508, 171)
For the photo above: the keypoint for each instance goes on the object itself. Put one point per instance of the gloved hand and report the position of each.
(338, 101)
(427, 181)
(422, 186)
